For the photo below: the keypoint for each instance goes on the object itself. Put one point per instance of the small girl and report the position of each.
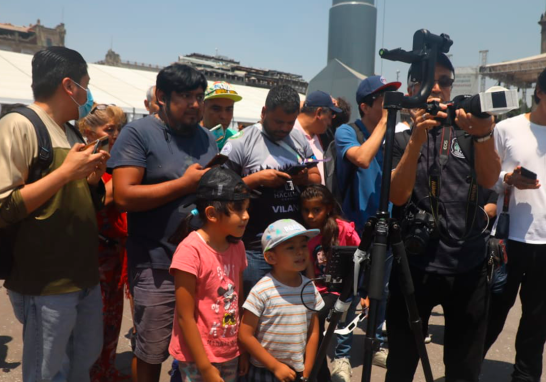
(207, 267)
(321, 211)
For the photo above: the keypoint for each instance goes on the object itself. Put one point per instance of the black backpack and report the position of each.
(41, 163)
(330, 173)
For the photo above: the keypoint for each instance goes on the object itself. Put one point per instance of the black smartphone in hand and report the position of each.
(295, 170)
(528, 174)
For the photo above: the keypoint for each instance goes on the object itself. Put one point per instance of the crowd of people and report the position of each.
(219, 235)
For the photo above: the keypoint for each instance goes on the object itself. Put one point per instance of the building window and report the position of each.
(49, 42)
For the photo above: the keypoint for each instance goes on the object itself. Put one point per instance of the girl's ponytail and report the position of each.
(183, 229)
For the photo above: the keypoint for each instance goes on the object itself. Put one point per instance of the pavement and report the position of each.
(497, 366)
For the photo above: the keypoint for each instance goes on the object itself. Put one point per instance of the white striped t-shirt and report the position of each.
(284, 320)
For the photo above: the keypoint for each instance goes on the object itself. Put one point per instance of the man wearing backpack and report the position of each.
(48, 222)
(359, 160)
(360, 154)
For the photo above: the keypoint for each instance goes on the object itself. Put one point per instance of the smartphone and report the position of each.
(528, 174)
(218, 160)
(294, 170)
(99, 144)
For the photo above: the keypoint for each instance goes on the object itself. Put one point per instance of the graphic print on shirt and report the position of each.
(227, 300)
(456, 149)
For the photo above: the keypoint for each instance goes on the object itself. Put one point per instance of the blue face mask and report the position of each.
(85, 109)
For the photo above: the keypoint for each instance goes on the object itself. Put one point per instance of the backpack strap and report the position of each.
(45, 149)
(360, 138)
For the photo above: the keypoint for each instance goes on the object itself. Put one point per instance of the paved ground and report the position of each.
(497, 366)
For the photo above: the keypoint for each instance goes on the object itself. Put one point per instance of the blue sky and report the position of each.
(287, 35)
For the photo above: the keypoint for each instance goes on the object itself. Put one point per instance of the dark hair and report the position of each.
(442, 59)
(330, 229)
(369, 100)
(285, 97)
(309, 110)
(222, 206)
(179, 78)
(345, 115)
(51, 65)
(541, 84)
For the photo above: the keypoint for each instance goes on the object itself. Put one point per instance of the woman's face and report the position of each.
(111, 129)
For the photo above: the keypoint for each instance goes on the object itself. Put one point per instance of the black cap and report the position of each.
(219, 183)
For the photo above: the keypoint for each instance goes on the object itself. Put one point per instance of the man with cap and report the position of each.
(219, 101)
(359, 161)
(359, 172)
(449, 268)
(315, 118)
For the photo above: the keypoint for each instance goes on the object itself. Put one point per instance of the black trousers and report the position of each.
(526, 268)
(464, 300)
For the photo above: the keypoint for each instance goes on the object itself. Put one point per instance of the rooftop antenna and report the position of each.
(216, 52)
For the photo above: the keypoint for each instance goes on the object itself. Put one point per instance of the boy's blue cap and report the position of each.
(321, 99)
(372, 85)
(283, 230)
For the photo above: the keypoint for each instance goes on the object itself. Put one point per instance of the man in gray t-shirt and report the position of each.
(267, 156)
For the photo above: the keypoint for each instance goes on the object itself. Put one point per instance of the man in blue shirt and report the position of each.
(359, 163)
(157, 163)
(359, 169)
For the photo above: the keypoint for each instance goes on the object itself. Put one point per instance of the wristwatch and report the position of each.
(483, 138)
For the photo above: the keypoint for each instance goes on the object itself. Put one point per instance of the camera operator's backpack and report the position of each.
(42, 162)
(330, 173)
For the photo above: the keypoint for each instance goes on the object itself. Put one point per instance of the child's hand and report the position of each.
(244, 363)
(284, 373)
(211, 374)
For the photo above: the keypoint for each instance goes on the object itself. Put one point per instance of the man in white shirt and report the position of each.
(314, 119)
(521, 143)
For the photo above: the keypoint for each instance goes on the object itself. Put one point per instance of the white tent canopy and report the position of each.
(125, 88)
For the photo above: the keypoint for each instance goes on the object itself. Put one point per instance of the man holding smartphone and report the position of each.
(157, 163)
(263, 154)
(521, 143)
(53, 285)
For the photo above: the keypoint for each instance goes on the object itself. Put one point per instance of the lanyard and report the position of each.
(283, 144)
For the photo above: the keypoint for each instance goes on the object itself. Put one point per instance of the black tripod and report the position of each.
(381, 230)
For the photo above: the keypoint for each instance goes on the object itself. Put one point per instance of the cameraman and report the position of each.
(521, 142)
(450, 269)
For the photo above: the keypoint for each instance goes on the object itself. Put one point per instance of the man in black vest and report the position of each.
(448, 268)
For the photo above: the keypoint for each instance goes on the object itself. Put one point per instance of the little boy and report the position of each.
(278, 331)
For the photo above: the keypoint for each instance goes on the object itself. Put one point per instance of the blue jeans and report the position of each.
(61, 334)
(344, 342)
(256, 269)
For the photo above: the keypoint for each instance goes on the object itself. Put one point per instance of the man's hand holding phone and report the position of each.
(522, 179)
(82, 163)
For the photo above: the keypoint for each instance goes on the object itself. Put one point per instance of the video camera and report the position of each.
(495, 101)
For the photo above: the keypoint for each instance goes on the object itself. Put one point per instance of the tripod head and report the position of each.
(426, 47)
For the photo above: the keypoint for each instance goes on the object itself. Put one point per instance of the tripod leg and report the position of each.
(376, 288)
(406, 285)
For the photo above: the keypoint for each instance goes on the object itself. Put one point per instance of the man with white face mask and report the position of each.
(49, 220)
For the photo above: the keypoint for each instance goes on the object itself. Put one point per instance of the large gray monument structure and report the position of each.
(351, 50)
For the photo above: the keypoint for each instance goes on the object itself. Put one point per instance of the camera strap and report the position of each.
(435, 184)
(435, 175)
(506, 201)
